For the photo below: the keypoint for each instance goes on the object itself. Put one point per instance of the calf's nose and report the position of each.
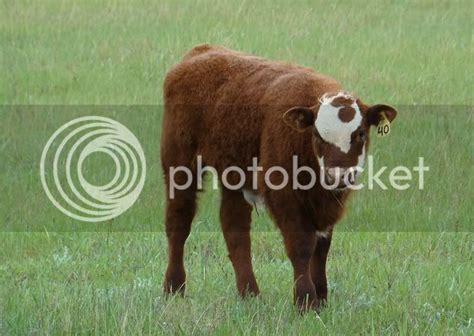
(338, 173)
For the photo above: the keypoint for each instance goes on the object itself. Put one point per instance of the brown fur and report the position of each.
(341, 101)
(346, 113)
(228, 107)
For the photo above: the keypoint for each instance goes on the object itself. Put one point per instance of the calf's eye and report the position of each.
(362, 135)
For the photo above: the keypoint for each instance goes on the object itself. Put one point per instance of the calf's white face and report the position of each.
(339, 140)
(335, 127)
(340, 131)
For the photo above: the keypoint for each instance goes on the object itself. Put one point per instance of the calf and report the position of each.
(229, 108)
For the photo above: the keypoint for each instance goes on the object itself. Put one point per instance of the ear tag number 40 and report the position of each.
(383, 128)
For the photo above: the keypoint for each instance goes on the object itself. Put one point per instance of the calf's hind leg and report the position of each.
(180, 212)
(235, 217)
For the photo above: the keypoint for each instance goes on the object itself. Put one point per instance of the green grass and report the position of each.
(401, 262)
(409, 283)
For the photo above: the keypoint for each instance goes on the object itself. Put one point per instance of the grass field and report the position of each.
(401, 262)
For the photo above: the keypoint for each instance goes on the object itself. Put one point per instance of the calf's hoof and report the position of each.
(306, 304)
(174, 283)
(248, 289)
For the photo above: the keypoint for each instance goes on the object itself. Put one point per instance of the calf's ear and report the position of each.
(299, 118)
(375, 113)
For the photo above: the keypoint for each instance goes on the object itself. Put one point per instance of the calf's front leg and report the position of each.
(318, 265)
(300, 247)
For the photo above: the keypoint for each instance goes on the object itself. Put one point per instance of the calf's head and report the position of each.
(340, 125)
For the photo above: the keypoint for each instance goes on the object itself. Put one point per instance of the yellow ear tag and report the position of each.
(383, 128)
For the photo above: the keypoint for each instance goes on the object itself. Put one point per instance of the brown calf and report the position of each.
(228, 108)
